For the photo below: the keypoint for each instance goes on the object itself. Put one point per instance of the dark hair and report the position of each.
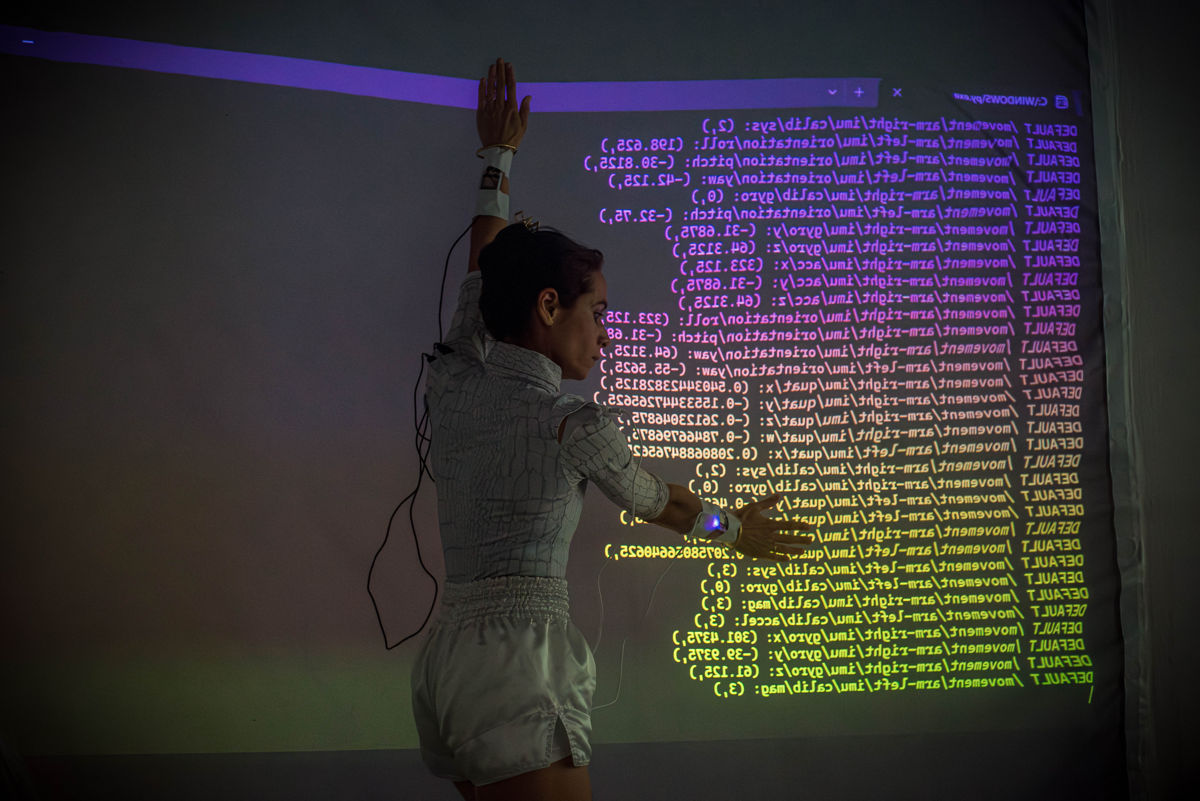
(518, 264)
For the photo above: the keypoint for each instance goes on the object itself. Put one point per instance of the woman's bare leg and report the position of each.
(560, 781)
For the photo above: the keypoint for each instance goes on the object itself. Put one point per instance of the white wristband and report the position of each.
(498, 157)
(491, 201)
(714, 524)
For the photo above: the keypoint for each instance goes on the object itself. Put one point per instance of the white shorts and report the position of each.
(503, 683)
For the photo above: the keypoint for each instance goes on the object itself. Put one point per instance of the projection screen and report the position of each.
(875, 293)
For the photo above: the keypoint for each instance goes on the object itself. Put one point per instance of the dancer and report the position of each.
(502, 686)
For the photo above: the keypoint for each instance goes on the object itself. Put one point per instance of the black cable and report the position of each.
(445, 271)
(422, 440)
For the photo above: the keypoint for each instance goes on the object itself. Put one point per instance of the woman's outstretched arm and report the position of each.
(760, 536)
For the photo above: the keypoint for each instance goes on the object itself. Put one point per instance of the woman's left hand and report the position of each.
(497, 117)
(762, 537)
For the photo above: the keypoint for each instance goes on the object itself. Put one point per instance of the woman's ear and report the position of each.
(547, 305)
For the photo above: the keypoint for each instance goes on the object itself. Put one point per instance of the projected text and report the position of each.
(881, 319)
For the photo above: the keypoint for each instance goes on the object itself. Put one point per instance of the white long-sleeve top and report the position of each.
(509, 493)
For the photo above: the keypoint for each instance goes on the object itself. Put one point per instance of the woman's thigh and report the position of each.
(560, 781)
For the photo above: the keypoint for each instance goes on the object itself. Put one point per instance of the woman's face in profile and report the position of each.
(580, 334)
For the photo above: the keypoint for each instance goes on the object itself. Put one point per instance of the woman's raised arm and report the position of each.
(501, 124)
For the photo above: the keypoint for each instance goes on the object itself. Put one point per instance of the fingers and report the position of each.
(801, 540)
(524, 111)
(497, 74)
(798, 545)
(794, 541)
(764, 503)
(756, 508)
(774, 546)
(759, 505)
(500, 85)
(510, 80)
(772, 554)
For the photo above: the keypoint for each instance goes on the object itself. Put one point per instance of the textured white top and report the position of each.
(509, 493)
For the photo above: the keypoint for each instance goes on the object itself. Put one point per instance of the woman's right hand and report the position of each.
(497, 117)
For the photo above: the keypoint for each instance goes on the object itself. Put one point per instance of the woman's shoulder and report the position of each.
(574, 413)
(576, 405)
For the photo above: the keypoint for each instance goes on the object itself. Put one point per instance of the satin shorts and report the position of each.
(503, 683)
